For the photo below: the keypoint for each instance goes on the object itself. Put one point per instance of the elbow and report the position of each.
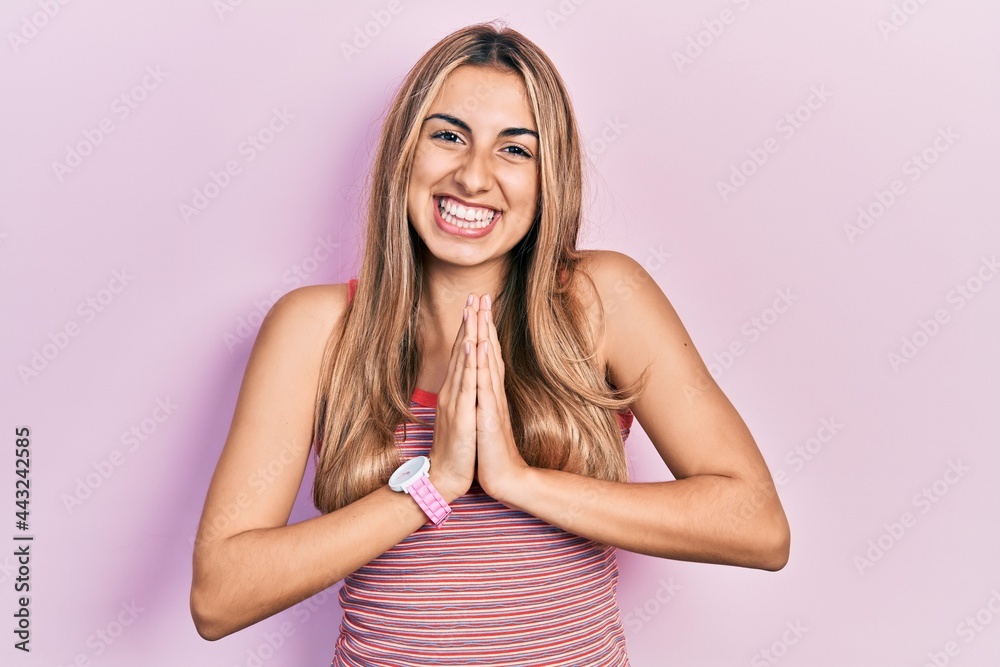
(766, 535)
(211, 621)
(774, 549)
(205, 621)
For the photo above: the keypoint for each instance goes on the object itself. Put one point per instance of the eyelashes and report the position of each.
(513, 149)
(521, 150)
(442, 134)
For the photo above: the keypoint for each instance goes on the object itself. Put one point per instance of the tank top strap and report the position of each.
(352, 287)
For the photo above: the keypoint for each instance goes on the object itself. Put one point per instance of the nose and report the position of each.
(475, 174)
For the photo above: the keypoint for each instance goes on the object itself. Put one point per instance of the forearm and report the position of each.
(253, 575)
(704, 518)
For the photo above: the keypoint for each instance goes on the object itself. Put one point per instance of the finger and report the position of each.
(460, 358)
(494, 341)
(491, 350)
(456, 344)
(465, 400)
(482, 326)
(460, 334)
(492, 360)
(485, 388)
(456, 361)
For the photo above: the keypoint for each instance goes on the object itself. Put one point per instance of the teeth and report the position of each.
(465, 217)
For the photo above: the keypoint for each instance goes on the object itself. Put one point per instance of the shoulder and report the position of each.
(606, 281)
(614, 281)
(322, 303)
(614, 274)
(303, 319)
(638, 321)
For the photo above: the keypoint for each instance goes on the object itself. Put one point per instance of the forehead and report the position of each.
(485, 96)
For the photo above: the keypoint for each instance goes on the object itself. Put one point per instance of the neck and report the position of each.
(446, 288)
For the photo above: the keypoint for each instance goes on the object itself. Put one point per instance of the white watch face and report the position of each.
(408, 472)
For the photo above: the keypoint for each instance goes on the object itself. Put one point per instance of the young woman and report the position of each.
(478, 336)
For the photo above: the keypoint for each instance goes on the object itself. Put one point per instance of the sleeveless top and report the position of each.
(492, 586)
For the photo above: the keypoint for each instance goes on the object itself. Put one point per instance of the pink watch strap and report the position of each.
(429, 500)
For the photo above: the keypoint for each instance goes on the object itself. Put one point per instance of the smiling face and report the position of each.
(474, 185)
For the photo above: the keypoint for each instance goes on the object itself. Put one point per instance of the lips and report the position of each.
(464, 219)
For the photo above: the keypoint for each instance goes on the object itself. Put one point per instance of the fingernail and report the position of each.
(468, 302)
(489, 302)
(465, 314)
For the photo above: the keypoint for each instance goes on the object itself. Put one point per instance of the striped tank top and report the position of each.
(492, 586)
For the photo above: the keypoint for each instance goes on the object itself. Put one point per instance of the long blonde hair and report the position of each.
(562, 406)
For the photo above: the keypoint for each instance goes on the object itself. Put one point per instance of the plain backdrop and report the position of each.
(812, 185)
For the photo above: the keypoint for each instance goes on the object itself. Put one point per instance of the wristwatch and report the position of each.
(412, 478)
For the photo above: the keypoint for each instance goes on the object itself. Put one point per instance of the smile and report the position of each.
(463, 220)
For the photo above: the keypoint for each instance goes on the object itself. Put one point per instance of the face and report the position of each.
(473, 189)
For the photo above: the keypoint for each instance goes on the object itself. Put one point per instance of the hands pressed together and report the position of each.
(472, 430)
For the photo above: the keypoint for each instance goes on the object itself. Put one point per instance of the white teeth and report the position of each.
(465, 217)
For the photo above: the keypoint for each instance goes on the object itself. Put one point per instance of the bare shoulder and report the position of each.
(614, 279)
(614, 274)
(609, 279)
(322, 304)
(639, 321)
(295, 332)
(304, 318)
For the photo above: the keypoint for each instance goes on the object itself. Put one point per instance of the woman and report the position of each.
(476, 334)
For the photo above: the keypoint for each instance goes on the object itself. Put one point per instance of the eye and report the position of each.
(446, 135)
(515, 149)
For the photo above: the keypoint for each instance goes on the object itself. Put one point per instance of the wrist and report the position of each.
(413, 478)
(447, 486)
(512, 489)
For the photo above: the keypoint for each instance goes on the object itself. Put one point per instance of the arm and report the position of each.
(722, 506)
(248, 564)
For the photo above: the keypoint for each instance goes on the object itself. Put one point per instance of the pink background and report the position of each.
(662, 137)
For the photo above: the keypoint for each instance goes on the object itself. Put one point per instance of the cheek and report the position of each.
(416, 192)
(532, 197)
(409, 201)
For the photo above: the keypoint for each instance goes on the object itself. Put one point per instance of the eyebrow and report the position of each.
(509, 132)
